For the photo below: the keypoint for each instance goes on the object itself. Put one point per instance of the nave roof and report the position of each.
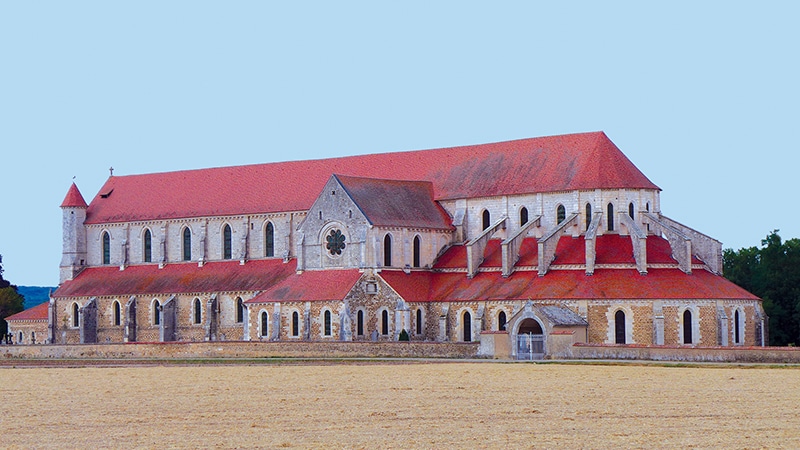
(544, 164)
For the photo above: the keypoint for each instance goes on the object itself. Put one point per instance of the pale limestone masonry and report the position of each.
(547, 243)
(74, 253)
(638, 240)
(510, 247)
(477, 246)
(590, 239)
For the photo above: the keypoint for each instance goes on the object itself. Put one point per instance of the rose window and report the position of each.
(335, 243)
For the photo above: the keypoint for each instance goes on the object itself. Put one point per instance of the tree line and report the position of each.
(771, 272)
(11, 302)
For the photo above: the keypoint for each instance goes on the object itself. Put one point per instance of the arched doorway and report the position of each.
(530, 339)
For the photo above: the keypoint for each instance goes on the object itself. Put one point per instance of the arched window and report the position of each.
(647, 207)
(610, 217)
(33, 337)
(630, 210)
(187, 244)
(561, 213)
(117, 314)
(156, 313)
(501, 321)
(523, 216)
(264, 323)
(106, 248)
(385, 322)
(19, 341)
(327, 322)
(737, 328)
(148, 246)
(619, 327)
(76, 318)
(487, 219)
(387, 250)
(419, 321)
(687, 327)
(227, 252)
(467, 326)
(269, 240)
(239, 310)
(295, 324)
(416, 250)
(198, 311)
(588, 215)
(360, 323)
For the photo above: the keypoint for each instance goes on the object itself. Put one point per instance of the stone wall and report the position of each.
(773, 355)
(243, 349)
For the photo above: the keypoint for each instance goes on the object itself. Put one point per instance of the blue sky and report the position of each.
(702, 96)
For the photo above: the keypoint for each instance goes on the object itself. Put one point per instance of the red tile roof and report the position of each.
(38, 312)
(568, 162)
(622, 284)
(73, 198)
(610, 249)
(225, 276)
(311, 285)
(396, 203)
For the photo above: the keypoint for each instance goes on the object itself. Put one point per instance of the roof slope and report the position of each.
(396, 202)
(311, 285)
(613, 284)
(38, 312)
(567, 162)
(226, 276)
(73, 198)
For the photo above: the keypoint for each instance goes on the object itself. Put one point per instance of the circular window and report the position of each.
(335, 243)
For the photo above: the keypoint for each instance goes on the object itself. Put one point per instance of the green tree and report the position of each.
(10, 300)
(771, 272)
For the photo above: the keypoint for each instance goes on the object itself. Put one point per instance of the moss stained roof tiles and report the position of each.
(567, 162)
(397, 203)
(177, 278)
(311, 285)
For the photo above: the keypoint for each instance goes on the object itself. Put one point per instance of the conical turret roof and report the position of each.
(74, 199)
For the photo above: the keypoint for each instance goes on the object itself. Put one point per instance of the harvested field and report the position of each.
(401, 406)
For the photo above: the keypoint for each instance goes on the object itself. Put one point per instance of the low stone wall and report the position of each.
(774, 355)
(243, 349)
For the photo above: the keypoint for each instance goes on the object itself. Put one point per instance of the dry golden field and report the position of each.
(475, 405)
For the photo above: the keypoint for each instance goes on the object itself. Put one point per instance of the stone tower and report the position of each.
(73, 212)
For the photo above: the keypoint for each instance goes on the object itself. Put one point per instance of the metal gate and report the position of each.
(530, 346)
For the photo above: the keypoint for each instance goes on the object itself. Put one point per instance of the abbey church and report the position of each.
(519, 241)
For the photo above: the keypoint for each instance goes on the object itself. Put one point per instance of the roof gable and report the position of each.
(396, 203)
(567, 162)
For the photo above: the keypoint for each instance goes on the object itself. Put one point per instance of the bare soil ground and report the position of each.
(475, 405)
